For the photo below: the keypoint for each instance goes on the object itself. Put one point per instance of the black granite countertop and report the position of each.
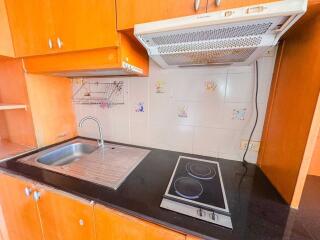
(258, 211)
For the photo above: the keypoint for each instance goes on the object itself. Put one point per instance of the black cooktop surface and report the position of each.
(197, 182)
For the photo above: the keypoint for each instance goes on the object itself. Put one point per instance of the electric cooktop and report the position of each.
(196, 189)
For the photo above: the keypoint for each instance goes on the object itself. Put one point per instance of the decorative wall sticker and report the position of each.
(239, 114)
(105, 93)
(104, 104)
(210, 86)
(160, 86)
(183, 111)
(140, 107)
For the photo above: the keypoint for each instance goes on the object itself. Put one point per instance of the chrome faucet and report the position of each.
(101, 141)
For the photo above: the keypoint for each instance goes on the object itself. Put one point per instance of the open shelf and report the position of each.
(12, 106)
(10, 149)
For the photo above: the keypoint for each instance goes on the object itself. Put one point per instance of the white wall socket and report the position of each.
(270, 52)
(253, 146)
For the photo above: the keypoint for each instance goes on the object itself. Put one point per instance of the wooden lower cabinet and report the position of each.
(20, 218)
(30, 211)
(54, 216)
(113, 225)
(65, 217)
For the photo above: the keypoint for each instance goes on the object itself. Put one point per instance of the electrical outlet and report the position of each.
(253, 146)
(271, 52)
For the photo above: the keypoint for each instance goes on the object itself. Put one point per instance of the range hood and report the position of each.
(234, 36)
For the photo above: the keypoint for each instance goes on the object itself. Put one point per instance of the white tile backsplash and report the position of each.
(186, 109)
(206, 141)
(239, 87)
(180, 138)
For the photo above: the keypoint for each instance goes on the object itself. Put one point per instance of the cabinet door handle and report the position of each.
(36, 196)
(59, 42)
(27, 191)
(81, 222)
(50, 44)
(196, 5)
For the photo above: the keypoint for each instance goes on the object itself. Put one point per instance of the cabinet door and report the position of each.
(113, 225)
(19, 212)
(64, 217)
(84, 24)
(226, 4)
(31, 26)
(6, 47)
(131, 12)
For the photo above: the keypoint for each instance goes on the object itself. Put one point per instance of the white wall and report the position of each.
(211, 128)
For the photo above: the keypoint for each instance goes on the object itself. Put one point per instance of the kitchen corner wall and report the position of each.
(200, 110)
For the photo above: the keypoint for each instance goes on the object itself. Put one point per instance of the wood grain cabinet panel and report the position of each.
(52, 122)
(131, 12)
(40, 27)
(64, 217)
(296, 83)
(105, 59)
(84, 24)
(31, 26)
(45, 121)
(6, 45)
(314, 168)
(113, 225)
(20, 215)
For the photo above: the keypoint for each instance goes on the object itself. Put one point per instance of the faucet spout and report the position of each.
(101, 141)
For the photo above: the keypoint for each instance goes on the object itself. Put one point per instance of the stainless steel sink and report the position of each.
(107, 165)
(67, 154)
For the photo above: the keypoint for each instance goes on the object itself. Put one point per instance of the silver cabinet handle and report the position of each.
(36, 196)
(27, 191)
(50, 44)
(196, 5)
(218, 2)
(59, 42)
(81, 222)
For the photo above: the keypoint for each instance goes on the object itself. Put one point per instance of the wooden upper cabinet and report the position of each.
(19, 218)
(6, 45)
(113, 225)
(84, 24)
(64, 217)
(112, 60)
(131, 12)
(31, 26)
(54, 26)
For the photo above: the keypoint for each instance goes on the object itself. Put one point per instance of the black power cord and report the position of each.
(244, 162)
